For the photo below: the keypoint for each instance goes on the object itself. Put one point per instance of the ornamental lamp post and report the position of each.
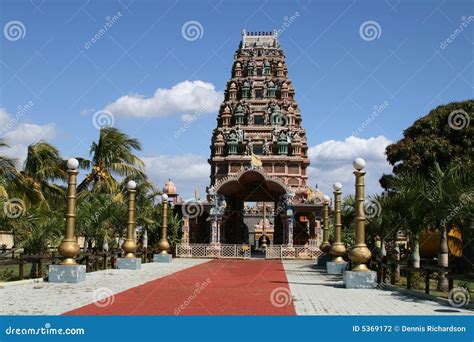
(337, 249)
(68, 271)
(129, 246)
(69, 248)
(325, 245)
(359, 253)
(163, 244)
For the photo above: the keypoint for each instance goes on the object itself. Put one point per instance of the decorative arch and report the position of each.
(252, 185)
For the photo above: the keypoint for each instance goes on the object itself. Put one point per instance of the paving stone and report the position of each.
(56, 298)
(317, 293)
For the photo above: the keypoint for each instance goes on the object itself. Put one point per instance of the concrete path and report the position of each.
(54, 299)
(317, 293)
(309, 290)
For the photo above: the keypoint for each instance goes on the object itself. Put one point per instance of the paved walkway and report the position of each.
(54, 299)
(220, 287)
(217, 287)
(317, 293)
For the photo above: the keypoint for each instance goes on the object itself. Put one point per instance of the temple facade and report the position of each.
(258, 192)
(260, 117)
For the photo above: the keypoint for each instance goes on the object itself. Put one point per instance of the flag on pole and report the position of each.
(256, 161)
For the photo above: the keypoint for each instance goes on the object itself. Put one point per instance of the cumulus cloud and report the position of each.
(331, 161)
(186, 171)
(19, 135)
(185, 98)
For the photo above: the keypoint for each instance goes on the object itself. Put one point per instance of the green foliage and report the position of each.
(113, 155)
(431, 139)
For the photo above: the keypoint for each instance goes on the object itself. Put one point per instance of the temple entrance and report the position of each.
(254, 204)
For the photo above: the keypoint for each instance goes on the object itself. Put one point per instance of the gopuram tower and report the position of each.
(260, 116)
(259, 152)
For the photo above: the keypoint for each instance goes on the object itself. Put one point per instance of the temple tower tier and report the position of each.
(259, 116)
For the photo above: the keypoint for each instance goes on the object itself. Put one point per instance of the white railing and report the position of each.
(292, 252)
(217, 251)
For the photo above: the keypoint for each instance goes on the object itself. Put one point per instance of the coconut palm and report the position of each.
(8, 170)
(148, 212)
(42, 167)
(101, 217)
(448, 205)
(112, 156)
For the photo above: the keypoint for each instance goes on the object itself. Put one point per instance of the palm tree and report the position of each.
(148, 210)
(436, 201)
(113, 155)
(8, 170)
(446, 200)
(102, 216)
(408, 208)
(43, 166)
(39, 229)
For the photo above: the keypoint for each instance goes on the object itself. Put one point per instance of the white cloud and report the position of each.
(183, 98)
(186, 171)
(4, 118)
(331, 161)
(19, 135)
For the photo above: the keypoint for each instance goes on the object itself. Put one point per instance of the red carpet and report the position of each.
(219, 287)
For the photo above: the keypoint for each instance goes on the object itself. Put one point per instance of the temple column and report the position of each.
(289, 222)
(213, 230)
(185, 239)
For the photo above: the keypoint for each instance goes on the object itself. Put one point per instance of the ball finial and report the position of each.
(337, 186)
(326, 199)
(131, 185)
(164, 197)
(72, 164)
(358, 163)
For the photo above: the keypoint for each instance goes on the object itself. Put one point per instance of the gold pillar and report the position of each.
(359, 253)
(129, 245)
(69, 248)
(325, 245)
(337, 249)
(163, 244)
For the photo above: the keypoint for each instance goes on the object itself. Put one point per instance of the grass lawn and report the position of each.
(420, 286)
(11, 272)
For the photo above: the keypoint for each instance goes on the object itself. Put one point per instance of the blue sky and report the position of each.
(340, 73)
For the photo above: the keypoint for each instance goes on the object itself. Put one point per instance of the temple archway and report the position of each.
(240, 224)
